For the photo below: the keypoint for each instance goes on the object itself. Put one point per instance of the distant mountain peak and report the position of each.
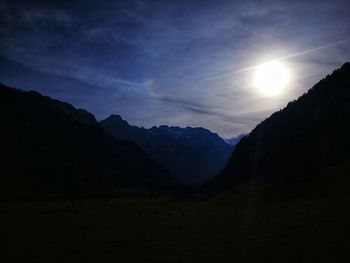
(235, 139)
(193, 155)
(115, 117)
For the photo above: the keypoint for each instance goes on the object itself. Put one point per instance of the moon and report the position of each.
(271, 78)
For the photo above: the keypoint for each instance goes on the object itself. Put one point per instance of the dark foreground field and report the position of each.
(222, 230)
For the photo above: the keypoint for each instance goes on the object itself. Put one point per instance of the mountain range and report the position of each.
(50, 147)
(192, 155)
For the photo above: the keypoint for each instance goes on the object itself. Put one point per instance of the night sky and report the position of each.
(179, 63)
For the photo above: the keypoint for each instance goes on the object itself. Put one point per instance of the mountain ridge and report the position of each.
(48, 146)
(298, 142)
(192, 154)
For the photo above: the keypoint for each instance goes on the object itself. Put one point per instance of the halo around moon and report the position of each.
(271, 78)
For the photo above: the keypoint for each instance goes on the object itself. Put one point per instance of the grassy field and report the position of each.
(221, 230)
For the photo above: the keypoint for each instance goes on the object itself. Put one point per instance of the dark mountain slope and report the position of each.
(192, 155)
(48, 146)
(299, 142)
